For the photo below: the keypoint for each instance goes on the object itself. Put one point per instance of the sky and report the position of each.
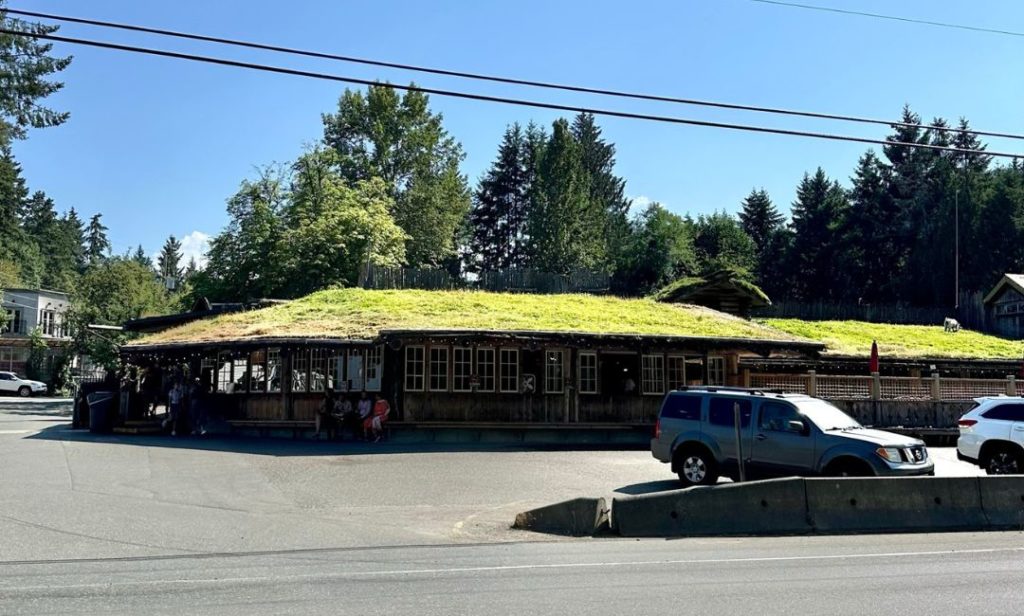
(157, 145)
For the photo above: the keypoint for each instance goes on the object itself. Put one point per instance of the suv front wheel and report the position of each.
(696, 467)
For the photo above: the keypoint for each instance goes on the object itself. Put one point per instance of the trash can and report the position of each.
(101, 411)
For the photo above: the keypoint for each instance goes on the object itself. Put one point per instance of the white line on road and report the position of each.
(109, 586)
(17, 431)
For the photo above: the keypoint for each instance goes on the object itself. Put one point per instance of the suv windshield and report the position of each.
(826, 416)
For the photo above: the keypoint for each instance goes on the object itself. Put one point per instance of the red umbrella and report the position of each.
(873, 364)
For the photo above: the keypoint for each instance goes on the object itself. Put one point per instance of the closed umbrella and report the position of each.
(873, 364)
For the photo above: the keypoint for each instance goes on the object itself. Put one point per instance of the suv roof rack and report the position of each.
(756, 391)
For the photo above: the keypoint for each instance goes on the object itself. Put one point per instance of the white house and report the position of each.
(26, 310)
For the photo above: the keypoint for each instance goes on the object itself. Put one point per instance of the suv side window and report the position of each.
(720, 412)
(682, 407)
(1005, 412)
(5, 377)
(775, 417)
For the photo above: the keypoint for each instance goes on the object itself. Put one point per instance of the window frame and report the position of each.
(407, 374)
(318, 358)
(244, 359)
(377, 353)
(708, 371)
(493, 364)
(304, 356)
(274, 361)
(660, 358)
(501, 370)
(671, 385)
(548, 378)
(432, 374)
(224, 357)
(579, 373)
(468, 376)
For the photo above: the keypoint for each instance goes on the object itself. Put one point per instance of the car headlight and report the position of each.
(890, 454)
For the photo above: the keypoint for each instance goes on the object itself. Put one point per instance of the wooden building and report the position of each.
(1004, 307)
(452, 374)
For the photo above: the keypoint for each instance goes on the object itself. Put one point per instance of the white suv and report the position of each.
(12, 383)
(992, 435)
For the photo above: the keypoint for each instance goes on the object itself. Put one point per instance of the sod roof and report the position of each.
(363, 314)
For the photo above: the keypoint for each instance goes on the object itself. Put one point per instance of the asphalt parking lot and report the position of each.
(71, 494)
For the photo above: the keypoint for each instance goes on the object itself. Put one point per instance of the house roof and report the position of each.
(360, 314)
(1014, 281)
(27, 290)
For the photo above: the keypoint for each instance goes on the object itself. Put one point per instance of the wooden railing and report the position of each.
(876, 387)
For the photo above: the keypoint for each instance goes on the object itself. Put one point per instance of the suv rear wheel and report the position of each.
(1003, 460)
(696, 467)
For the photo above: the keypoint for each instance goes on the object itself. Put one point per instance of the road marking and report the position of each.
(110, 586)
(17, 431)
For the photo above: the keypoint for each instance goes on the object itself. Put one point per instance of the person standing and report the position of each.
(381, 410)
(174, 400)
(196, 402)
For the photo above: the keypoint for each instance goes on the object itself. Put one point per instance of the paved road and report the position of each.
(953, 574)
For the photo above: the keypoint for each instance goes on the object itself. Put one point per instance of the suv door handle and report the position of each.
(763, 437)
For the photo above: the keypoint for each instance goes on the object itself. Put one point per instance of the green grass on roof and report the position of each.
(361, 314)
(904, 341)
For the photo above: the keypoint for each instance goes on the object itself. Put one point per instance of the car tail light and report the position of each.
(657, 428)
(966, 423)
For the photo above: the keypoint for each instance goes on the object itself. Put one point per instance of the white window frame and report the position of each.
(235, 375)
(669, 385)
(304, 356)
(501, 370)
(548, 377)
(358, 380)
(220, 386)
(494, 368)
(580, 378)
(373, 361)
(422, 371)
(657, 359)
(318, 360)
(431, 373)
(467, 376)
(709, 372)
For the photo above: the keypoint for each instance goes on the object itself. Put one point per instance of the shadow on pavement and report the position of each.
(650, 487)
(267, 446)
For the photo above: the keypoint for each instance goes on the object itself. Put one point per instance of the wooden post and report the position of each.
(936, 387)
(746, 377)
(812, 383)
(1011, 385)
(876, 386)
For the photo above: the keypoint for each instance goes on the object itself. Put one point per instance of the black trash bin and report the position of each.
(101, 411)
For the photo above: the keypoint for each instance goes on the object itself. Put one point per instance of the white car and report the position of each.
(992, 435)
(12, 383)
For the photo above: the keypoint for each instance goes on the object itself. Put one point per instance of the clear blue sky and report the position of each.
(157, 145)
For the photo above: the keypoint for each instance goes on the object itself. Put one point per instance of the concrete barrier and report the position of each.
(905, 504)
(580, 517)
(776, 506)
(1002, 500)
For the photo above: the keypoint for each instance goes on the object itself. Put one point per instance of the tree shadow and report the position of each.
(286, 447)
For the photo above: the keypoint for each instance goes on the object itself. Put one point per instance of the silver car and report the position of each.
(779, 435)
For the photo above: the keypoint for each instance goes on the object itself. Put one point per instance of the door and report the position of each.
(783, 441)
(721, 426)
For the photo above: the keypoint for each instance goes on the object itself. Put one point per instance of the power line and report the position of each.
(495, 99)
(912, 20)
(493, 78)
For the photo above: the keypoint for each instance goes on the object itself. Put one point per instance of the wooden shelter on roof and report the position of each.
(724, 291)
(1004, 307)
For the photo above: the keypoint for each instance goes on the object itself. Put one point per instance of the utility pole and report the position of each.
(956, 258)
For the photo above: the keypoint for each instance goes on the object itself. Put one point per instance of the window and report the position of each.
(652, 374)
(438, 368)
(485, 368)
(374, 367)
(720, 412)
(240, 376)
(509, 361)
(414, 368)
(336, 370)
(716, 371)
(14, 323)
(225, 383)
(554, 372)
(588, 373)
(1006, 412)
(462, 369)
(258, 371)
(273, 370)
(48, 322)
(681, 406)
(775, 417)
(354, 370)
(300, 371)
(318, 370)
(676, 372)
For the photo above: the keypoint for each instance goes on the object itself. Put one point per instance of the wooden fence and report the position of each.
(970, 313)
(377, 277)
(846, 387)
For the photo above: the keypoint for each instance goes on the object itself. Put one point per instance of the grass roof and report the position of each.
(362, 314)
(684, 286)
(901, 341)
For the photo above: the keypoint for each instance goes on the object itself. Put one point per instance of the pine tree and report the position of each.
(500, 204)
(140, 257)
(818, 211)
(192, 269)
(870, 243)
(16, 245)
(25, 64)
(763, 222)
(96, 242)
(607, 190)
(168, 262)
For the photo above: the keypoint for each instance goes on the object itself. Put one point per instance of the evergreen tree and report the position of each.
(38, 215)
(500, 206)
(870, 243)
(763, 223)
(818, 211)
(721, 244)
(607, 190)
(16, 245)
(96, 243)
(168, 262)
(998, 229)
(25, 65)
(191, 269)
(140, 257)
